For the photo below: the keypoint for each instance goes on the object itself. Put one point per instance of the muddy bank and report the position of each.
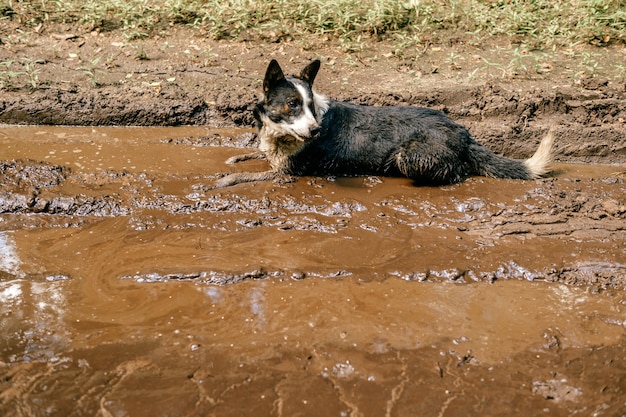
(186, 79)
(591, 125)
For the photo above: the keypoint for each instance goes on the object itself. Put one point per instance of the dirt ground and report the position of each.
(351, 296)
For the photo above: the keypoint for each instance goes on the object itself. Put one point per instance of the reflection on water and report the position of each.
(9, 260)
(214, 293)
(258, 306)
(33, 324)
(11, 293)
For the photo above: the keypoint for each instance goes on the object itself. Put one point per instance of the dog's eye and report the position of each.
(293, 105)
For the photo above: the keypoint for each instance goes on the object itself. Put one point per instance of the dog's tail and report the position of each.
(539, 163)
(489, 164)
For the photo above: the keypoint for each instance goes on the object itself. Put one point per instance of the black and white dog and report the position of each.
(304, 133)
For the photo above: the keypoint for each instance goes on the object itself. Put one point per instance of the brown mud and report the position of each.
(354, 296)
(568, 228)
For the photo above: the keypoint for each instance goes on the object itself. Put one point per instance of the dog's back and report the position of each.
(370, 140)
(422, 144)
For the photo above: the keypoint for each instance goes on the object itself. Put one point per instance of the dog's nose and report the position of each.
(314, 131)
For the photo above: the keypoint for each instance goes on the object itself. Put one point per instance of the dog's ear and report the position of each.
(273, 76)
(309, 72)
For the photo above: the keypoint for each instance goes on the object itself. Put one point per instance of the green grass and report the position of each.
(10, 77)
(538, 23)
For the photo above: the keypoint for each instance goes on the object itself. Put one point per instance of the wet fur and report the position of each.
(304, 133)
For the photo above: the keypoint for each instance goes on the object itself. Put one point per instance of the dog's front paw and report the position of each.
(227, 181)
(246, 157)
(241, 177)
(284, 179)
(234, 159)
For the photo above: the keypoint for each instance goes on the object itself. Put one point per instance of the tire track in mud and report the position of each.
(581, 220)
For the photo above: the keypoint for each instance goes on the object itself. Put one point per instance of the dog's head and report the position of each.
(289, 106)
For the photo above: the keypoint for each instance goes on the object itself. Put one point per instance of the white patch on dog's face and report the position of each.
(305, 122)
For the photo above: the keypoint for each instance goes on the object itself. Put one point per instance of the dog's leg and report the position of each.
(431, 161)
(241, 177)
(246, 157)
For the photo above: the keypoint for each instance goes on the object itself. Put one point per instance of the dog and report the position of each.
(303, 133)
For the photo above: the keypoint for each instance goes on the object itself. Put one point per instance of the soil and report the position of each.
(350, 296)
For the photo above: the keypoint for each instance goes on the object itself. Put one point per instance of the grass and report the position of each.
(536, 23)
(11, 79)
(91, 70)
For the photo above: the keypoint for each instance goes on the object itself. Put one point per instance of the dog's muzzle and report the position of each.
(312, 134)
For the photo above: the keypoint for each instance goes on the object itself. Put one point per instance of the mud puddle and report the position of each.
(354, 296)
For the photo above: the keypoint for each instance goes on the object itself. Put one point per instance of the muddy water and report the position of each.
(349, 297)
